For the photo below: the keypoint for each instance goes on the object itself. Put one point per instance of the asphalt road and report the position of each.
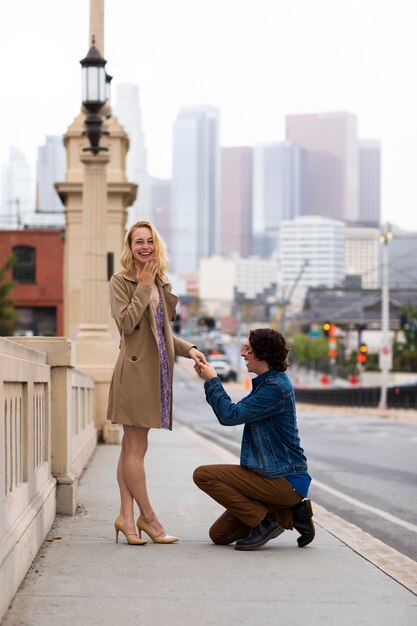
(363, 469)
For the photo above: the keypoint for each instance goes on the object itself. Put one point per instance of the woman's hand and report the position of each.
(146, 275)
(205, 371)
(197, 356)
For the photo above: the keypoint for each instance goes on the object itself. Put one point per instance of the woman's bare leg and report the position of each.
(126, 498)
(135, 447)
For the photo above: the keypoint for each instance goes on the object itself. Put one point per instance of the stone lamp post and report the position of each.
(94, 344)
(96, 194)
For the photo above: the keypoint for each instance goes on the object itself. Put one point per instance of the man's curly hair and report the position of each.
(270, 346)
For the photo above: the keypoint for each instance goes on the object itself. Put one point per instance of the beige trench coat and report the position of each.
(135, 397)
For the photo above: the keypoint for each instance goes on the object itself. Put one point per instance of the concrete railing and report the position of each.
(47, 436)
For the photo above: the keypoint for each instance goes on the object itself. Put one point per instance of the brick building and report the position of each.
(38, 270)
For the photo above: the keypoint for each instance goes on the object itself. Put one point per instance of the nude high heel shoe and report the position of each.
(132, 539)
(161, 538)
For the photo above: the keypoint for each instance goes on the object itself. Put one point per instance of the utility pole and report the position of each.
(385, 350)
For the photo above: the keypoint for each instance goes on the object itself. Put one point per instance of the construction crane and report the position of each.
(286, 299)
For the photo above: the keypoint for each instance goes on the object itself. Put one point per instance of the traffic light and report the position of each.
(362, 355)
(403, 321)
(326, 328)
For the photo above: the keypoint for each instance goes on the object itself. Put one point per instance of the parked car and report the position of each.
(223, 367)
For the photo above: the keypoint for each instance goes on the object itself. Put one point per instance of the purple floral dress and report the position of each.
(165, 377)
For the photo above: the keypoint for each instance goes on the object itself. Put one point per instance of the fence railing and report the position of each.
(400, 397)
(47, 436)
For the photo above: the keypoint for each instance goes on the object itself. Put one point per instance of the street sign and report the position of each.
(385, 357)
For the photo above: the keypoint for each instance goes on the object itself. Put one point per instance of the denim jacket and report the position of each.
(270, 442)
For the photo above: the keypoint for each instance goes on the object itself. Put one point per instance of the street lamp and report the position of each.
(95, 88)
(385, 351)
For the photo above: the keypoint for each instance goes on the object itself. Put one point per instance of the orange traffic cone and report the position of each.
(247, 383)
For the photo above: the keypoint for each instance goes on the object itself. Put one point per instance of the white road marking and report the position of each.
(366, 507)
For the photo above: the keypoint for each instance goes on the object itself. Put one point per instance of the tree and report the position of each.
(7, 312)
(408, 323)
(312, 350)
(405, 352)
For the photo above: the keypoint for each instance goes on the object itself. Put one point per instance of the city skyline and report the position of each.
(287, 58)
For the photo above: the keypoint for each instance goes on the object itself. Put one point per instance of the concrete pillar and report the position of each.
(96, 351)
(120, 195)
(97, 24)
(94, 300)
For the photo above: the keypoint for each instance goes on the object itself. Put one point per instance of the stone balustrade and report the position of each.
(47, 436)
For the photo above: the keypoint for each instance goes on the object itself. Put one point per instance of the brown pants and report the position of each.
(247, 498)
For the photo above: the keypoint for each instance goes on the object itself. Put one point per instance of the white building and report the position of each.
(50, 168)
(362, 255)
(17, 195)
(221, 277)
(317, 240)
(127, 110)
(195, 187)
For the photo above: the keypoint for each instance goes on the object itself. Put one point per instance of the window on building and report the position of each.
(24, 267)
(38, 321)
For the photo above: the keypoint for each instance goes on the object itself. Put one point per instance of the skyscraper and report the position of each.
(50, 168)
(370, 182)
(330, 163)
(236, 201)
(161, 208)
(195, 187)
(127, 110)
(276, 192)
(17, 195)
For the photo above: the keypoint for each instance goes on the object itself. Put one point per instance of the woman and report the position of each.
(141, 389)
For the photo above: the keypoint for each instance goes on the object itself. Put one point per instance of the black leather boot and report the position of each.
(260, 535)
(301, 515)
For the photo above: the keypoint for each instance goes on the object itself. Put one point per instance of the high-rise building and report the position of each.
(362, 255)
(50, 168)
(17, 195)
(236, 201)
(315, 245)
(127, 110)
(369, 182)
(330, 163)
(276, 192)
(161, 208)
(195, 187)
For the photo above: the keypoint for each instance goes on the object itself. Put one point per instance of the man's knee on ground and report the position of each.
(217, 537)
(199, 474)
(202, 475)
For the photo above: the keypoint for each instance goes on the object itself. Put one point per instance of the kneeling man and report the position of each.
(267, 493)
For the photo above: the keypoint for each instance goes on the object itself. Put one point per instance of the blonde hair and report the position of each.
(126, 258)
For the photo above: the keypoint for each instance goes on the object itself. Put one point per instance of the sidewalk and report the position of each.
(81, 576)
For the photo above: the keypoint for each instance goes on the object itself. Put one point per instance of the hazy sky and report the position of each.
(256, 60)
